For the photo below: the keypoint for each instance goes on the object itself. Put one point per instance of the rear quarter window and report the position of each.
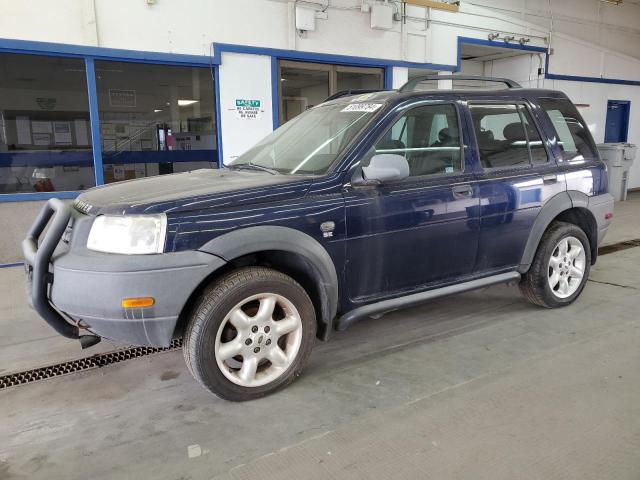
(572, 134)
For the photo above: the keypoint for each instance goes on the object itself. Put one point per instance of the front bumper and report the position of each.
(78, 289)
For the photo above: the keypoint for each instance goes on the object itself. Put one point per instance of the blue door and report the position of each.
(617, 125)
(420, 231)
(518, 177)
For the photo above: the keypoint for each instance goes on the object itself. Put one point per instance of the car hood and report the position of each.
(196, 190)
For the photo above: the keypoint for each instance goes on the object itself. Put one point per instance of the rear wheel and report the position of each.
(250, 333)
(560, 267)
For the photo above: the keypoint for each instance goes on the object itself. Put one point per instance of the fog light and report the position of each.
(137, 302)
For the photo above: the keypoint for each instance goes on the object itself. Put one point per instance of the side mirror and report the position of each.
(386, 167)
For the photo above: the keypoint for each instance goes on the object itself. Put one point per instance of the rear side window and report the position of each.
(572, 134)
(428, 137)
(507, 136)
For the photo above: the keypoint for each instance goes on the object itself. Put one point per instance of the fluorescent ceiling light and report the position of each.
(184, 103)
(157, 110)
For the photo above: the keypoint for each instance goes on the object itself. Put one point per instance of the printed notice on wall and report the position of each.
(82, 135)
(248, 109)
(23, 127)
(62, 133)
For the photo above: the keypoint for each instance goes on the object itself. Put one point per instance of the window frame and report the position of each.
(402, 110)
(516, 102)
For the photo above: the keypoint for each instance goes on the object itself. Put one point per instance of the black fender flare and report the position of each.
(245, 241)
(551, 209)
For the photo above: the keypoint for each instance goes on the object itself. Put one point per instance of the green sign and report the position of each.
(248, 109)
(247, 103)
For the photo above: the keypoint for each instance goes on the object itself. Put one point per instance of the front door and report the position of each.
(423, 230)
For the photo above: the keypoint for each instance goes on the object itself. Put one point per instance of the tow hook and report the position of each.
(87, 341)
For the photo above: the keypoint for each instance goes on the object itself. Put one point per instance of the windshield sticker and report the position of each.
(362, 107)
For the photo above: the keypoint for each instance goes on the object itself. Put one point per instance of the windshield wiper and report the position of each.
(253, 166)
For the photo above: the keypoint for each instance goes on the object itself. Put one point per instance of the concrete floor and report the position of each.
(478, 386)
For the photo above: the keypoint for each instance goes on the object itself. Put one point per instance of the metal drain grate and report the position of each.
(616, 247)
(95, 361)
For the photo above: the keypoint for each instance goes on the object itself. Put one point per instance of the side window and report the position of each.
(428, 137)
(572, 134)
(507, 136)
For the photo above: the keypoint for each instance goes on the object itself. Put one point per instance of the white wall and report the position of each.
(245, 77)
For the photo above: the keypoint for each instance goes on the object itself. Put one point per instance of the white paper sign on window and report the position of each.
(362, 107)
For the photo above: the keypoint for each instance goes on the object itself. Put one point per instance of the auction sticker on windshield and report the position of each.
(362, 107)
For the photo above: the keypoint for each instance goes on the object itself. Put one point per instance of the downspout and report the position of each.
(90, 23)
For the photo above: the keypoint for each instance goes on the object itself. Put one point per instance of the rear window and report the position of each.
(506, 136)
(572, 134)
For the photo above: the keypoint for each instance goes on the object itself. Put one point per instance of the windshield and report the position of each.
(309, 143)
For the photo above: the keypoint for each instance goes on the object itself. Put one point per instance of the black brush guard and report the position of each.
(37, 259)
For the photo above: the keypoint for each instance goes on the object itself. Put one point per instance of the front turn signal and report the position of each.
(139, 302)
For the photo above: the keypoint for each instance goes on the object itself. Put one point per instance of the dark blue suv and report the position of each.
(361, 205)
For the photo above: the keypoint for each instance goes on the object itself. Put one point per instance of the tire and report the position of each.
(550, 266)
(238, 350)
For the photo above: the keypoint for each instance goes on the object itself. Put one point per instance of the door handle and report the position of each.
(551, 178)
(462, 191)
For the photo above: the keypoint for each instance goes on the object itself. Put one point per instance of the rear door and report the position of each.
(405, 235)
(518, 177)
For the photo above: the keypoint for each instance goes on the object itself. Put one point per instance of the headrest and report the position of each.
(514, 132)
(448, 134)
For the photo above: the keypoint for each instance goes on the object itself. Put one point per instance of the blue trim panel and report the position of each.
(94, 116)
(216, 87)
(99, 53)
(36, 196)
(46, 158)
(160, 156)
(575, 78)
(11, 265)
(275, 93)
(52, 158)
(388, 78)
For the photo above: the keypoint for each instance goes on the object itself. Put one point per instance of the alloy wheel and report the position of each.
(566, 267)
(258, 340)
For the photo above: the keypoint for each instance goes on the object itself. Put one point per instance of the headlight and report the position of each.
(128, 234)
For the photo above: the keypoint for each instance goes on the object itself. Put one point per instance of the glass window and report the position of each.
(303, 85)
(574, 138)
(428, 137)
(155, 119)
(348, 78)
(501, 135)
(302, 89)
(45, 138)
(311, 142)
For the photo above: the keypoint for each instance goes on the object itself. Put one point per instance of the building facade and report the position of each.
(96, 91)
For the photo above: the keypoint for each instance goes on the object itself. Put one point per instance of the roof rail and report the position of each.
(410, 86)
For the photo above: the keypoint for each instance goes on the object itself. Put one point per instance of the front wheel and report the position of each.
(560, 267)
(250, 333)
